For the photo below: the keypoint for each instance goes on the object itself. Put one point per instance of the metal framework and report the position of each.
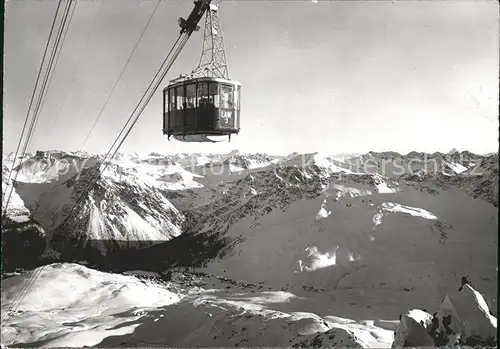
(213, 57)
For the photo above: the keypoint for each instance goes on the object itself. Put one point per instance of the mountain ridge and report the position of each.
(298, 237)
(181, 176)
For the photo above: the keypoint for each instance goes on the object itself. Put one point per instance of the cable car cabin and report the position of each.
(196, 108)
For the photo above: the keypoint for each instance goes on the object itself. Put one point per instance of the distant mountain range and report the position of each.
(362, 234)
(142, 199)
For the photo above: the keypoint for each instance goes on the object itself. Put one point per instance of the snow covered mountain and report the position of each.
(347, 242)
(147, 199)
(126, 206)
(479, 179)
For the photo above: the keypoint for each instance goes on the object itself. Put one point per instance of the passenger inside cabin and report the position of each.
(226, 100)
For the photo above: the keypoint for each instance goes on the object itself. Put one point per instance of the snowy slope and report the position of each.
(138, 191)
(227, 165)
(299, 226)
(479, 180)
(111, 309)
(126, 205)
(17, 210)
(71, 305)
(365, 241)
(325, 252)
(393, 164)
(139, 309)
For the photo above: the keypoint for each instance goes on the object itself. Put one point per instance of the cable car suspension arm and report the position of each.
(187, 28)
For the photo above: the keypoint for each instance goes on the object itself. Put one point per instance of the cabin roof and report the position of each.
(185, 81)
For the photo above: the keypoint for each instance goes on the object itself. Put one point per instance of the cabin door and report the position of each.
(204, 115)
(226, 117)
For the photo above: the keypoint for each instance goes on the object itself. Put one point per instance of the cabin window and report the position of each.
(202, 94)
(237, 97)
(165, 100)
(180, 97)
(190, 96)
(171, 97)
(214, 94)
(227, 96)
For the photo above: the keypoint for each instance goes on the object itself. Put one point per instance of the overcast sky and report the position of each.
(336, 76)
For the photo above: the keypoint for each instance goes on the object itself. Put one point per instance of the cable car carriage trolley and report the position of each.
(206, 102)
(200, 107)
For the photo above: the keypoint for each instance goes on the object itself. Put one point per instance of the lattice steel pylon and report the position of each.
(213, 55)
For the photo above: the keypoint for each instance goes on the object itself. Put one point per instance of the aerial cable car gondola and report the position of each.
(205, 102)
